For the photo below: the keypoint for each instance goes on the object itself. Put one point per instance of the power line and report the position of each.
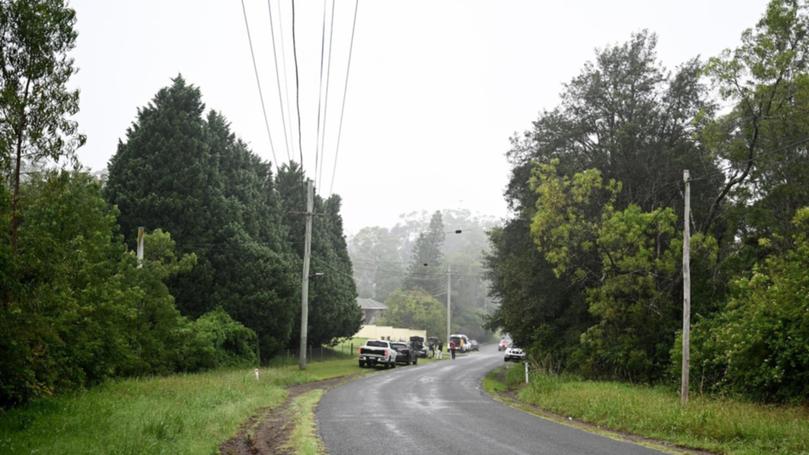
(278, 78)
(285, 72)
(345, 92)
(297, 85)
(320, 89)
(258, 83)
(322, 138)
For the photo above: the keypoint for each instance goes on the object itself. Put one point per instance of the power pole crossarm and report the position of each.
(307, 251)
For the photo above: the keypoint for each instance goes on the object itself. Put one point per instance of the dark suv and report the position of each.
(405, 353)
(417, 344)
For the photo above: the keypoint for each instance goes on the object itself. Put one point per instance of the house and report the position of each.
(371, 309)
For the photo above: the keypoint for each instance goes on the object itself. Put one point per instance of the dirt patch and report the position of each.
(509, 397)
(267, 432)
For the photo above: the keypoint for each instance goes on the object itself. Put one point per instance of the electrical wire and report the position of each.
(322, 138)
(297, 85)
(320, 89)
(258, 83)
(345, 92)
(278, 79)
(285, 72)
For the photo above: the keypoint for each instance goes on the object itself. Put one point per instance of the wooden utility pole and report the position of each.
(449, 299)
(140, 247)
(307, 251)
(686, 291)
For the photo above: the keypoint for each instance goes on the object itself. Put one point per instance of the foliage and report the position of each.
(628, 261)
(757, 345)
(416, 309)
(380, 257)
(378, 269)
(427, 258)
(594, 190)
(189, 175)
(594, 227)
(82, 310)
(333, 309)
(35, 102)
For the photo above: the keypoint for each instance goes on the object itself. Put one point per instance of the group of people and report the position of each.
(436, 351)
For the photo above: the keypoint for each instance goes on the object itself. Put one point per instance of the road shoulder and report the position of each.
(493, 384)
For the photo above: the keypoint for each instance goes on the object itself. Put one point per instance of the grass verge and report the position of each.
(179, 414)
(714, 424)
(304, 439)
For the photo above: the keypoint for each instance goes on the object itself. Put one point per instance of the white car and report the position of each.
(514, 353)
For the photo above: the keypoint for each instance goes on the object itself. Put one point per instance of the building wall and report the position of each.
(387, 332)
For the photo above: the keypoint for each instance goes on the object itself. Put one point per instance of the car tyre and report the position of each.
(362, 364)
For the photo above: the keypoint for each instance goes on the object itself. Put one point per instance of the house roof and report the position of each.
(371, 304)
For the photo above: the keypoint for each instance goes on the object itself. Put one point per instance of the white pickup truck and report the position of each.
(377, 352)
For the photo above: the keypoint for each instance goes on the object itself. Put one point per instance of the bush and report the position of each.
(756, 346)
(217, 340)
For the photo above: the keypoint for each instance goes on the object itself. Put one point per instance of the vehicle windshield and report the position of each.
(399, 345)
(377, 344)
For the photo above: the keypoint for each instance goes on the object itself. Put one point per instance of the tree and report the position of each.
(188, 174)
(426, 270)
(624, 119)
(756, 346)
(333, 309)
(35, 103)
(376, 262)
(416, 309)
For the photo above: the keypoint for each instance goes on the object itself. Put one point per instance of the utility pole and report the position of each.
(686, 291)
(307, 250)
(140, 247)
(449, 299)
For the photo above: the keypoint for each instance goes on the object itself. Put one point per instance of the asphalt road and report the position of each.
(441, 409)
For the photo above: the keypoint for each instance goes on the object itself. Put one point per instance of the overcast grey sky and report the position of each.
(436, 87)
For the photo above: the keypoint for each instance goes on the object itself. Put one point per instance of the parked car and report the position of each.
(405, 354)
(378, 352)
(461, 342)
(417, 344)
(515, 354)
(473, 345)
(503, 345)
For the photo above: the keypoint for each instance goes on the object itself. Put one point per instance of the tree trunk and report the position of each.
(15, 195)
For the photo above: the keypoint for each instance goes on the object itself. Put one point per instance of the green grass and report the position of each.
(179, 414)
(716, 424)
(304, 439)
(349, 346)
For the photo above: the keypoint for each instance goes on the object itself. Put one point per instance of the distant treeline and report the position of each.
(219, 283)
(588, 269)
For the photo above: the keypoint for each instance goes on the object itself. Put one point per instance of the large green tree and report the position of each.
(426, 270)
(623, 118)
(35, 101)
(333, 308)
(187, 173)
(416, 309)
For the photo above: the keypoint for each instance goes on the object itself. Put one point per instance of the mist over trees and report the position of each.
(587, 269)
(390, 261)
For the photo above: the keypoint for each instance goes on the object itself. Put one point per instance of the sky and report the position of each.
(436, 87)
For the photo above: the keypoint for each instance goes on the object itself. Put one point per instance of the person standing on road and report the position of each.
(440, 350)
(452, 349)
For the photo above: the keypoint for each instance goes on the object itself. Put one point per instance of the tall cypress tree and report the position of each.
(189, 175)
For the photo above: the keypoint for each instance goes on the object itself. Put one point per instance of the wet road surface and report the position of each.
(441, 409)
